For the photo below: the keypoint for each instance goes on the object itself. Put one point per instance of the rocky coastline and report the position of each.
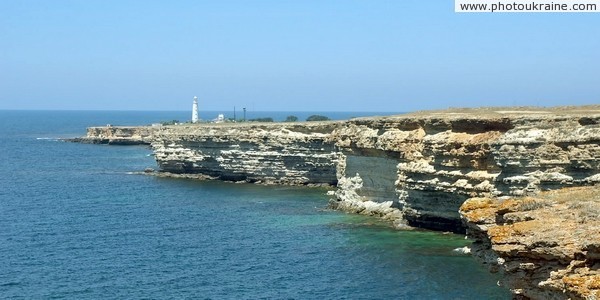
(547, 246)
(419, 170)
(117, 135)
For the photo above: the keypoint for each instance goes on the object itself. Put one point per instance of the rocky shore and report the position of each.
(547, 246)
(118, 135)
(417, 170)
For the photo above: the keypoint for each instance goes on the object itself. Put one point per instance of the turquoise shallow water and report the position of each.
(75, 224)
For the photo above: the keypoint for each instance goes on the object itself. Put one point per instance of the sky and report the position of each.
(284, 55)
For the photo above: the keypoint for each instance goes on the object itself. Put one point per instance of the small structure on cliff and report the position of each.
(219, 119)
(195, 110)
(504, 168)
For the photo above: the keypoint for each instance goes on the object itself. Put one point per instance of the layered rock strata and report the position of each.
(418, 169)
(118, 135)
(426, 165)
(271, 154)
(414, 169)
(548, 246)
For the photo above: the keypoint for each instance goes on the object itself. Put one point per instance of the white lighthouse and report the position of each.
(195, 110)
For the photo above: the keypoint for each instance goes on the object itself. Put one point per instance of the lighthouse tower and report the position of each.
(195, 110)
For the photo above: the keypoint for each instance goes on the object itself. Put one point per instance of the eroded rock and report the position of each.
(547, 246)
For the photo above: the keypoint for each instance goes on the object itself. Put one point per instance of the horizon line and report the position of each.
(134, 110)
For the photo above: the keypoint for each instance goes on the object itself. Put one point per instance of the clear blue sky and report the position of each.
(315, 55)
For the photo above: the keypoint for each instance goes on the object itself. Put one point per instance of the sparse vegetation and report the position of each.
(582, 202)
(291, 119)
(317, 118)
(172, 122)
(532, 204)
(586, 210)
(261, 120)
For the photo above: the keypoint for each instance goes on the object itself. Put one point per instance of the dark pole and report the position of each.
(244, 113)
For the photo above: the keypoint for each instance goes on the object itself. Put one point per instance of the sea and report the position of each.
(78, 221)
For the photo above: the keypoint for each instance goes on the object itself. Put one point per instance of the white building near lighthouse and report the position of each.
(195, 110)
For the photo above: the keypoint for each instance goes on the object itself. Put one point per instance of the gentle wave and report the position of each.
(53, 139)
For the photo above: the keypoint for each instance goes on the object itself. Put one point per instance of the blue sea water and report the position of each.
(76, 224)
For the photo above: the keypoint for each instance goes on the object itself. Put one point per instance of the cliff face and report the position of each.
(270, 154)
(419, 169)
(427, 165)
(548, 246)
(118, 135)
(413, 169)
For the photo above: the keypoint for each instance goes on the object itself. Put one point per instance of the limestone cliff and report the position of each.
(548, 246)
(118, 135)
(428, 164)
(262, 153)
(416, 168)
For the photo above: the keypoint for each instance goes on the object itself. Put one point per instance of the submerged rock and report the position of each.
(463, 250)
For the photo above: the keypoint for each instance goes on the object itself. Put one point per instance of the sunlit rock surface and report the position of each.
(414, 169)
(269, 154)
(118, 135)
(547, 246)
(442, 158)
(418, 169)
